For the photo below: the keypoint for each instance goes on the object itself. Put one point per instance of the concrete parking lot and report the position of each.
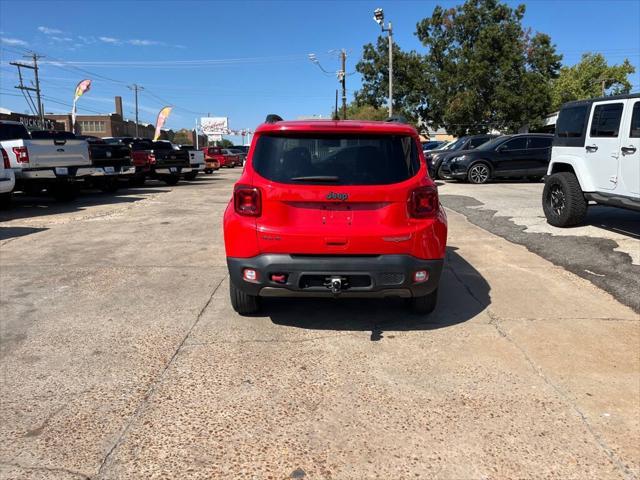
(122, 358)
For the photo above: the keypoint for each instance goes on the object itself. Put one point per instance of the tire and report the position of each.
(64, 191)
(208, 171)
(109, 185)
(439, 175)
(563, 202)
(5, 200)
(137, 181)
(32, 188)
(241, 302)
(171, 179)
(425, 304)
(479, 173)
(190, 176)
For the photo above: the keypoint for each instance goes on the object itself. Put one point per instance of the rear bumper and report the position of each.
(54, 173)
(113, 171)
(388, 275)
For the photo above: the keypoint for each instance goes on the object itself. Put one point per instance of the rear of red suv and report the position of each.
(335, 208)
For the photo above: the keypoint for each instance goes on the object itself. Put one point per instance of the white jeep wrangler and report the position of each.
(595, 157)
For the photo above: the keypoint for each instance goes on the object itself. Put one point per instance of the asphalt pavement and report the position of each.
(122, 358)
(605, 249)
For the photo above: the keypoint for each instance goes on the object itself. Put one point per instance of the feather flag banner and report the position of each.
(82, 88)
(162, 119)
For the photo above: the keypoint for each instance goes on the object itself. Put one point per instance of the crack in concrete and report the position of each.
(48, 469)
(151, 390)
(618, 463)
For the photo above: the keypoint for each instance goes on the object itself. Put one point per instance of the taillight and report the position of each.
(152, 159)
(22, 154)
(247, 201)
(423, 202)
(5, 158)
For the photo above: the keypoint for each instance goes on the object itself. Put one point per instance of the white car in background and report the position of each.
(595, 158)
(7, 178)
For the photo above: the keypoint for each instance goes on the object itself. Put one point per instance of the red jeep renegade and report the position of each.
(335, 208)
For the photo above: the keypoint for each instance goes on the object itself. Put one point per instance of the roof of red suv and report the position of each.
(325, 126)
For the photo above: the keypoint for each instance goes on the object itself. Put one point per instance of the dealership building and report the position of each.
(107, 125)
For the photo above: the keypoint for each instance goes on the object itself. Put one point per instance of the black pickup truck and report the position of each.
(169, 161)
(110, 162)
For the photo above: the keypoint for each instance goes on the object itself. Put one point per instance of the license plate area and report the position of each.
(109, 170)
(62, 171)
(319, 281)
(336, 214)
(173, 169)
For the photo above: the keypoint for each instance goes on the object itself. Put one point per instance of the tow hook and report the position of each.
(336, 284)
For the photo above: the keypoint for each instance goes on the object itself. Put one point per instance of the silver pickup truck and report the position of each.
(54, 165)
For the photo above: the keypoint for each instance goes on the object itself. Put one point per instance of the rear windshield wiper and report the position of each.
(316, 178)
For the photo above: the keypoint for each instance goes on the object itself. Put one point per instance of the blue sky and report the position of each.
(246, 59)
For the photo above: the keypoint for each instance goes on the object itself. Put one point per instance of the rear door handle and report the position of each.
(591, 148)
(628, 150)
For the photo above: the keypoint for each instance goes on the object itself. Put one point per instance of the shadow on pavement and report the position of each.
(11, 232)
(464, 293)
(29, 206)
(618, 220)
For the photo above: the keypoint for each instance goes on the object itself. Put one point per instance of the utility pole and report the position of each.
(335, 111)
(135, 87)
(603, 86)
(38, 109)
(343, 80)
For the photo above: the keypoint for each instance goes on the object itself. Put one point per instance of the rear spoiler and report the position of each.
(273, 118)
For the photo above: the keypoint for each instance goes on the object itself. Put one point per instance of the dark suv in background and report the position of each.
(509, 156)
(436, 157)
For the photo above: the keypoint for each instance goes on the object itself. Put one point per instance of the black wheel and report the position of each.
(563, 202)
(32, 188)
(137, 180)
(64, 191)
(479, 173)
(190, 175)
(109, 185)
(208, 171)
(5, 199)
(241, 302)
(171, 179)
(425, 304)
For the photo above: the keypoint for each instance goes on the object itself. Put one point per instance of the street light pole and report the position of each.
(378, 17)
(389, 32)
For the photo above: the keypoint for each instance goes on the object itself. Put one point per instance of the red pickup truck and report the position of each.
(222, 156)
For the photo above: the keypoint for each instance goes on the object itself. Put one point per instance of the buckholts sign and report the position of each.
(214, 125)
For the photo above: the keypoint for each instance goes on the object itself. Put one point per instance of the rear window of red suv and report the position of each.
(334, 159)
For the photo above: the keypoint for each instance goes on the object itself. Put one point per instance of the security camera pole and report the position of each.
(378, 16)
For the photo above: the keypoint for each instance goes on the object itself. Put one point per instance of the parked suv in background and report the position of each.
(509, 156)
(436, 157)
(595, 157)
(328, 209)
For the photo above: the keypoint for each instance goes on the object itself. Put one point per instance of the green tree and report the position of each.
(407, 79)
(483, 70)
(365, 112)
(224, 143)
(585, 79)
(183, 137)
